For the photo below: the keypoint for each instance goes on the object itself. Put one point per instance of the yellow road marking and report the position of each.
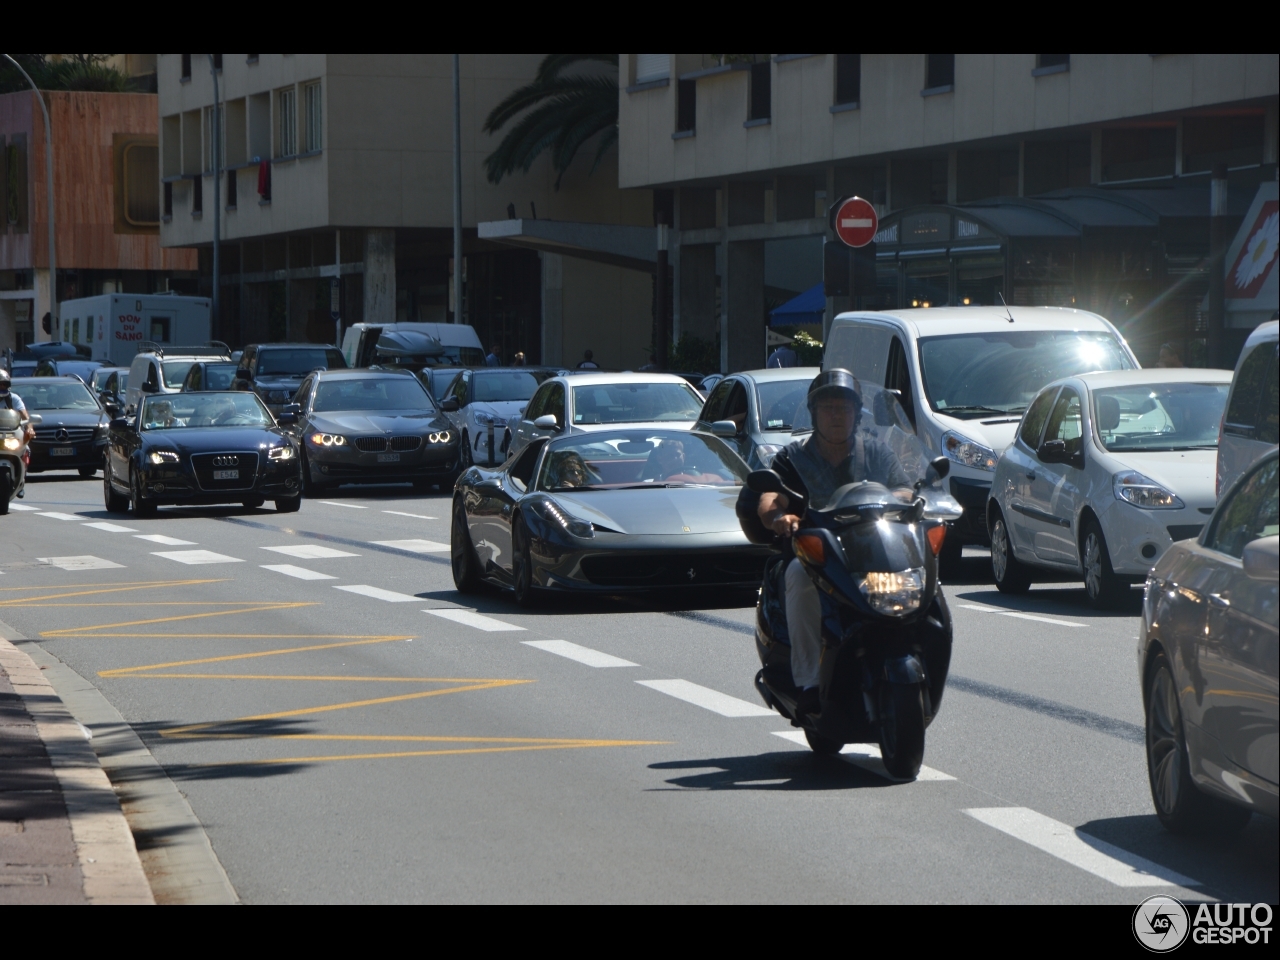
(118, 588)
(572, 745)
(93, 631)
(356, 641)
(280, 676)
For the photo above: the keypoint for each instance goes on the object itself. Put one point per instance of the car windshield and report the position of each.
(778, 402)
(1160, 416)
(218, 376)
(441, 381)
(507, 385)
(371, 393)
(974, 375)
(174, 372)
(188, 410)
(635, 403)
(298, 361)
(58, 395)
(639, 459)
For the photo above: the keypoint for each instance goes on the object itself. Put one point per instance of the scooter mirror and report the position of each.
(764, 481)
(35, 419)
(940, 466)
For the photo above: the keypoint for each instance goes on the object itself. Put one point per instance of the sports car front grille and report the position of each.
(246, 465)
(371, 444)
(404, 444)
(673, 569)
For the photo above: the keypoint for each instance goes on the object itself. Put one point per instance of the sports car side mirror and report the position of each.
(449, 404)
(547, 422)
(724, 428)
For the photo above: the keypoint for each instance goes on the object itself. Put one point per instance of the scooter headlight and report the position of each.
(894, 594)
(12, 443)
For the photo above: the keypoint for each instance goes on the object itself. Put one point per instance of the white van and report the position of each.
(965, 376)
(461, 345)
(1249, 427)
(114, 324)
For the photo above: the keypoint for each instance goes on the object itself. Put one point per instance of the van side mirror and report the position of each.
(449, 404)
(547, 422)
(149, 387)
(724, 428)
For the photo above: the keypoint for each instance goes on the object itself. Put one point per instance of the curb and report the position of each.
(104, 844)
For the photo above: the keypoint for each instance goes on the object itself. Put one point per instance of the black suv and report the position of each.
(274, 371)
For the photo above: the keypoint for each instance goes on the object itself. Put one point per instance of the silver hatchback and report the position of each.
(1207, 652)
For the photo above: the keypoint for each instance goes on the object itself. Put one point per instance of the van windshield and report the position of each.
(175, 372)
(299, 361)
(997, 373)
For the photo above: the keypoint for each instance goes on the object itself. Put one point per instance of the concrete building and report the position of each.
(106, 205)
(341, 165)
(1045, 178)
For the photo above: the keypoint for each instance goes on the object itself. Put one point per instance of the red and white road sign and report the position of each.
(856, 222)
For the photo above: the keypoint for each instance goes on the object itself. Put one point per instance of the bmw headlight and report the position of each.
(162, 456)
(960, 449)
(551, 512)
(444, 436)
(328, 440)
(281, 453)
(894, 594)
(1133, 487)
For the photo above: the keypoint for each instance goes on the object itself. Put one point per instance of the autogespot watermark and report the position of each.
(1162, 924)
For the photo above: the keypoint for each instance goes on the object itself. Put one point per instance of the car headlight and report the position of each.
(444, 436)
(12, 443)
(328, 440)
(162, 456)
(1133, 487)
(487, 419)
(281, 453)
(894, 594)
(767, 451)
(960, 449)
(552, 513)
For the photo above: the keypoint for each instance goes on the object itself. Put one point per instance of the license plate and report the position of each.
(62, 452)
(226, 474)
(388, 458)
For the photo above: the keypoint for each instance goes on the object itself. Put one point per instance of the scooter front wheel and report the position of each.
(823, 746)
(901, 729)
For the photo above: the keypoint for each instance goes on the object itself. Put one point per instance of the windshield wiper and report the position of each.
(975, 408)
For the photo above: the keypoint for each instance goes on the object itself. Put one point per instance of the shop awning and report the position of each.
(807, 307)
(620, 245)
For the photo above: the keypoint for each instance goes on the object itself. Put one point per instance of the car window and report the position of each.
(634, 458)
(1251, 381)
(153, 376)
(55, 395)
(175, 371)
(304, 393)
(371, 393)
(296, 361)
(716, 401)
(441, 381)
(193, 379)
(521, 471)
(634, 402)
(898, 377)
(736, 408)
(218, 376)
(539, 401)
(1269, 411)
(1159, 416)
(1064, 422)
(1034, 421)
(778, 402)
(505, 386)
(555, 403)
(1250, 513)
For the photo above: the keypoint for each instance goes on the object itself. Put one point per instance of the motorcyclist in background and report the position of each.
(12, 401)
(835, 454)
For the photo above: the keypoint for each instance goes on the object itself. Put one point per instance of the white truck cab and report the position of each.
(965, 376)
(461, 346)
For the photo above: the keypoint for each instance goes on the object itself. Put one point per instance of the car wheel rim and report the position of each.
(999, 552)
(1092, 565)
(1164, 750)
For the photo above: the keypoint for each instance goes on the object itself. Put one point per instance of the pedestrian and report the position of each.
(494, 359)
(784, 356)
(1169, 356)
(651, 365)
(518, 359)
(588, 363)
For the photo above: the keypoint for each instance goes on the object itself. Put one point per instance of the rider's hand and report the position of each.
(772, 511)
(785, 524)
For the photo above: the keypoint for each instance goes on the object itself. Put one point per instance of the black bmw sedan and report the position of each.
(371, 426)
(73, 434)
(201, 448)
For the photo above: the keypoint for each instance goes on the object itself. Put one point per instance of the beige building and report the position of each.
(1117, 149)
(341, 164)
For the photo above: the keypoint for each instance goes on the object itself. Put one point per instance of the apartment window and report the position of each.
(15, 183)
(168, 200)
(1051, 63)
(286, 123)
(686, 105)
(197, 196)
(988, 173)
(795, 198)
(1138, 153)
(848, 77)
(1235, 140)
(217, 61)
(186, 66)
(311, 101)
(761, 95)
(140, 177)
(651, 67)
(940, 72)
(1054, 165)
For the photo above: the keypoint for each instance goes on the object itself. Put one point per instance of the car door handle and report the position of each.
(1219, 601)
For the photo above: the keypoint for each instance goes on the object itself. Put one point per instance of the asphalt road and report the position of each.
(349, 729)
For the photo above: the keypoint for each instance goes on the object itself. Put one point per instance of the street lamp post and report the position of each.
(457, 191)
(217, 200)
(48, 184)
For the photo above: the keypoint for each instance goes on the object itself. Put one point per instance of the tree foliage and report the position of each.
(570, 101)
(67, 71)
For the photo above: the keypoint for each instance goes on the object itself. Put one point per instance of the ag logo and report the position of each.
(1161, 924)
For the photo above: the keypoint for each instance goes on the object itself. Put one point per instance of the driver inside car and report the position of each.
(835, 454)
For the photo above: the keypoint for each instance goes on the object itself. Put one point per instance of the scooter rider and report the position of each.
(12, 401)
(835, 454)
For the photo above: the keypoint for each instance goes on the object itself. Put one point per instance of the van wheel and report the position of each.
(1101, 585)
(1011, 574)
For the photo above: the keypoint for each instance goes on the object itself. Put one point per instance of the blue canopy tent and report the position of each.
(807, 307)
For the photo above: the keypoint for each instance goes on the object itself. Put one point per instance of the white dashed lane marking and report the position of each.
(164, 541)
(416, 516)
(59, 516)
(310, 551)
(708, 699)
(23, 507)
(592, 658)
(111, 527)
(864, 755)
(335, 503)
(1020, 616)
(302, 573)
(197, 556)
(81, 563)
(378, 593)
(1102, 859)
(470, 618)
(412, 546)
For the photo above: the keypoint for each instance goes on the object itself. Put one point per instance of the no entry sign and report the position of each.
(856, 222)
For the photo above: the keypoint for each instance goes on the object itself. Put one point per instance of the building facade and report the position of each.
(338, 165)
(1043, 178)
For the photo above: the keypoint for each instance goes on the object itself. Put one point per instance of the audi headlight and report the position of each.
(960, 449)
(328, 440)
(281, 453)
(1133, 487)
(766, 452)
(162, 456)
(12, 443)
(444, 436)
(894, 594)
(552, 513)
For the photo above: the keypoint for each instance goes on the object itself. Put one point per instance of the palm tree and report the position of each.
(565, 109)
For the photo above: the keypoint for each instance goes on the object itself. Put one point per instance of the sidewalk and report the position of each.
(63, 838)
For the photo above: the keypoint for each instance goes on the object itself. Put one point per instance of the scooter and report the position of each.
(886, 630)
(14, 456)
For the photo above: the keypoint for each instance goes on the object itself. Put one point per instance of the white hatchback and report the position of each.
(1107, 471)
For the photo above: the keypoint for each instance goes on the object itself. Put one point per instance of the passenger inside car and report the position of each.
(566, 468)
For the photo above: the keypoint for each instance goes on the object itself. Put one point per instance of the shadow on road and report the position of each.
(153, 733)
(786, 770)
(1064, 601)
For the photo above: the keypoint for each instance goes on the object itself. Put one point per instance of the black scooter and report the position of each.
(13, 456)
(886, 630)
